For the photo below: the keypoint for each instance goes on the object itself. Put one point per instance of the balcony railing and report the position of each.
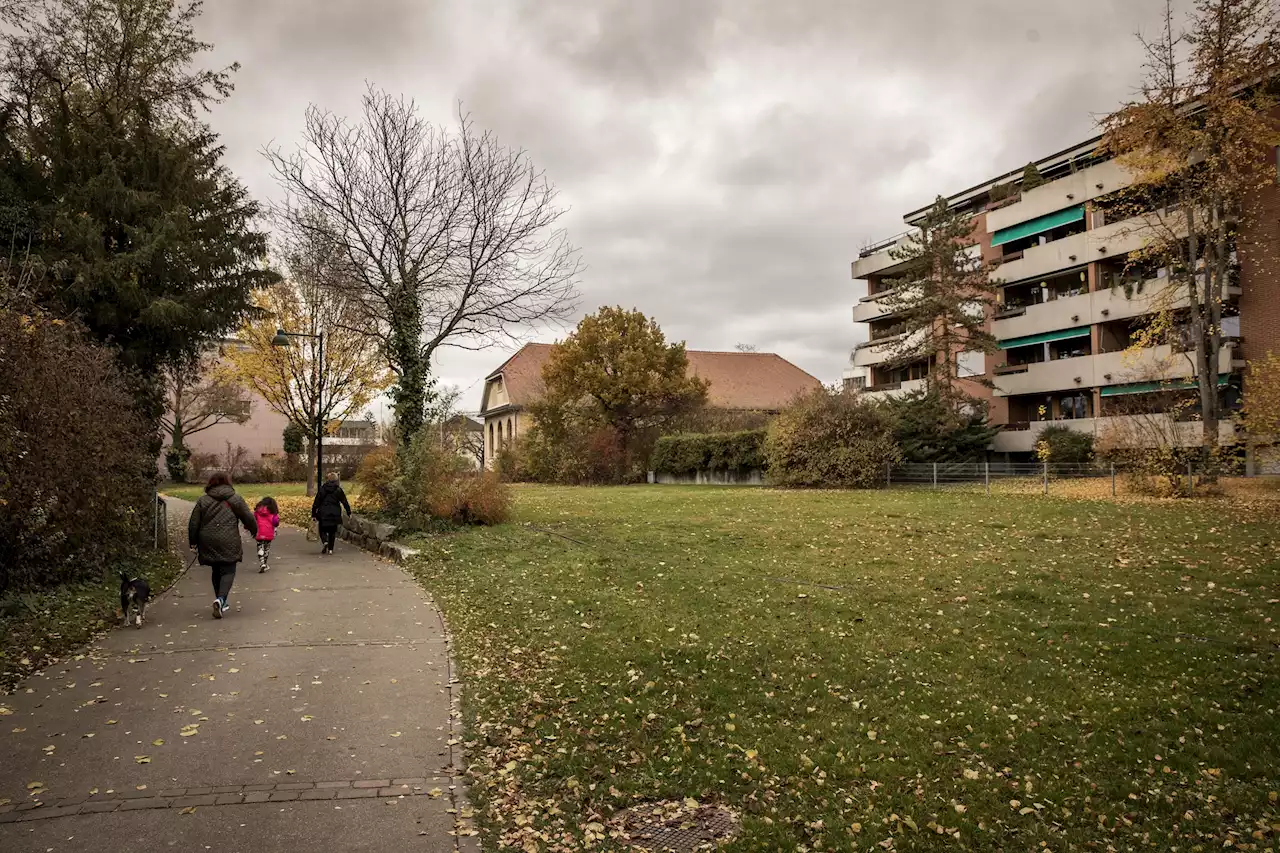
(1006, 369)
(885, 386)
(871, 248)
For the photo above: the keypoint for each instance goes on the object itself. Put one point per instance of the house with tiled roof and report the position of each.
(737, 381)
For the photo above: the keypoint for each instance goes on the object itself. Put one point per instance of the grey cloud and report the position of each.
(723, 159)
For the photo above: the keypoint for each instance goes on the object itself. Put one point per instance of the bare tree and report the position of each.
(1195, 142)
(311, 384)
(198, 396)
(451, 238)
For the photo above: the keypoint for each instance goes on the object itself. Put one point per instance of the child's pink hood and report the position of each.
(268, 521)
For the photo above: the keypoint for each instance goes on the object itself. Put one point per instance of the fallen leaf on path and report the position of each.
(395, 734)
(258, 722)
(19, 730)
(306, 718)
(142, 759)
(34, 786)
(188, 810)
(158, 742)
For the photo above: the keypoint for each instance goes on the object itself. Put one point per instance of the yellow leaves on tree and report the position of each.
(1262, 397)
(292, 379)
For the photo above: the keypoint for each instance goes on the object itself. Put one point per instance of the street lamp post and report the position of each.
(282, 340)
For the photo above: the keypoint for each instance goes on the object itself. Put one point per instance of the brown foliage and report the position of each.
(377, 475)
(75, 472)
(830, 441)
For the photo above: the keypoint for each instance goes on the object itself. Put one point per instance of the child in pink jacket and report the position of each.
(267, 514)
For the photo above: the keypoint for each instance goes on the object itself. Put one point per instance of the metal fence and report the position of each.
(1101, 478)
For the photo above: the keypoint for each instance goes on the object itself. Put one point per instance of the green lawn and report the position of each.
(914, 670)
(251, 492)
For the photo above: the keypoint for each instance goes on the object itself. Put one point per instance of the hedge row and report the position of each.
(723, 451)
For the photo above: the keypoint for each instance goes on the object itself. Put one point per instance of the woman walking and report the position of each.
(212, 532)
(327, 508)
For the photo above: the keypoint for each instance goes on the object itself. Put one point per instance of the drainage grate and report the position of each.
(678, 827)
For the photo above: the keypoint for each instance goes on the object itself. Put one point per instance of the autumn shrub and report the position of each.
(1065, 446)
(76, 474)
(727, 451)
(377, 476)
(830, 440)
(472, 498)
(581, 452)
(435, 483)
(511, 462)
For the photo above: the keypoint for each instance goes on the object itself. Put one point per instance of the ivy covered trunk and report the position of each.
(413, 369)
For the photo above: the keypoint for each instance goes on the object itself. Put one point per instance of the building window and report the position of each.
(855, 383)
(1073, 407)
(971, 364)
(237, 409)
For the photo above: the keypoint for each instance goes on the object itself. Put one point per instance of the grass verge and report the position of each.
(866, 671)
(37, 628)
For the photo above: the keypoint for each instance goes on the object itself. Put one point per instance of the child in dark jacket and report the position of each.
(267, 514)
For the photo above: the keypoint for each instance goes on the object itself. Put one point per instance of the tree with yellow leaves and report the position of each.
(292, 379)
(1262, 403)
(1196, 143)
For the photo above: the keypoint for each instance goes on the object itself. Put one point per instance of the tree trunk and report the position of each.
(311, 466)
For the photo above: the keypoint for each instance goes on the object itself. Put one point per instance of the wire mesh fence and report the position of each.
(1079, 479)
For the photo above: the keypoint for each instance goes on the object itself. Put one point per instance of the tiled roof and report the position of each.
(757, 381)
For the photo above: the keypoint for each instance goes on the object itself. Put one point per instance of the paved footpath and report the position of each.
(316, 716)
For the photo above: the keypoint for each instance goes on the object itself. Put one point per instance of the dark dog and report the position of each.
(134, 595)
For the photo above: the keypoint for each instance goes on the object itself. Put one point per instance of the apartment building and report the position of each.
(1070, 304)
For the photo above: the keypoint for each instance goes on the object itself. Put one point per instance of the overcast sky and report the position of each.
(724, 159)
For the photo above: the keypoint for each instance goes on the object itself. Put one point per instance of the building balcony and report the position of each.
(883, 350)
(894, 389)
(1109, 241)
(876, 259)
(1156, 428)
(1092, 182)
(1022, 438)
(875, 306)
(1099, 306)
(1154, 364)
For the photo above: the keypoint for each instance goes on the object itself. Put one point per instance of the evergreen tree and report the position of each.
(1031, 177)
(943, 299)
(142, 234)
(928, 428)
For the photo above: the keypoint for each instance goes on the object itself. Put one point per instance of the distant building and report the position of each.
(1074, 293)
(738, 381)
